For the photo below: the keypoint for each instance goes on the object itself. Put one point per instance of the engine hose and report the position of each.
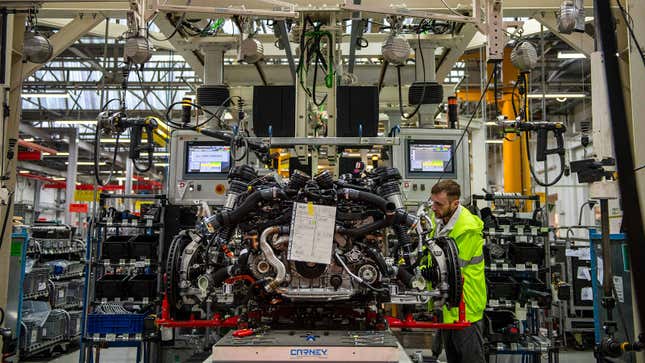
(222, 275)
(405, 277)
(227, 272)
(405, 219)
(371, 198)
(228, 218)
(405, 242)
(368, 228)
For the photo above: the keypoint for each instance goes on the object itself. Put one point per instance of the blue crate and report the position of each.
(115, 323)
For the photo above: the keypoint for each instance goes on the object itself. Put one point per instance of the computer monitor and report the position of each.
(207, 158)
(430, 159)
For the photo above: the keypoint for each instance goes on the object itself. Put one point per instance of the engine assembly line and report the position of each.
(221, 181)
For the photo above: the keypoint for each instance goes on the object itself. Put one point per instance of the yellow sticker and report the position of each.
(310, 208)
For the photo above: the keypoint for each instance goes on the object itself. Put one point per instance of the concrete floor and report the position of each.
(124, 355)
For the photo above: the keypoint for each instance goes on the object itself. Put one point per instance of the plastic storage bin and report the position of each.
(110, 287)
(36, 280)
(31, 333)
(521, 253)
(115, 323)
(142, 286)
(502, 327)
(144, 246)
(75, 290)
(58, 293)
(56, 325)
(502, 287)
(116, 247)
(74, 327)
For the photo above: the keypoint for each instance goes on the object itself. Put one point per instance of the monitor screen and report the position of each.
(430, 157)
(206, 157)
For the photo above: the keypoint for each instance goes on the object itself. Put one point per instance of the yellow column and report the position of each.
(517, 175)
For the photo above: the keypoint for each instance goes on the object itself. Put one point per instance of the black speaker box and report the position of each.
(274, 106)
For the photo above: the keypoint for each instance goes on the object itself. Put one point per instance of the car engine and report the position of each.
(237, 260)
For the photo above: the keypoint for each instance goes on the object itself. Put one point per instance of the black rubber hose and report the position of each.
(404, 218)
(221, 275)
(368, 228)
(404, 276)
(250, 204)
(405, 242)
(239, 268)
(371, 198)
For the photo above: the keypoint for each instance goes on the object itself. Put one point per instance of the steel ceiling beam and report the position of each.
(115, 31)
(452, 55)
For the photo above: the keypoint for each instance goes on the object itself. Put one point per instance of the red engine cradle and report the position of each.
(410, 323)
(216, 321)
(232, 322)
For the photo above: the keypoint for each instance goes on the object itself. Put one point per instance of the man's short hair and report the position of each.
(451, 187)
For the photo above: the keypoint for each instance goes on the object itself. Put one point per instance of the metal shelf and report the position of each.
(531, 267)
(116, 340)
(494, 304)
(51, 253)
(36, 295)
(127, 263)
(136, 302)
(116, 225)
(76, 306)
(66, 276)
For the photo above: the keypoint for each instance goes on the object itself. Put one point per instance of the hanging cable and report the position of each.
(419, 30)
(470, 120)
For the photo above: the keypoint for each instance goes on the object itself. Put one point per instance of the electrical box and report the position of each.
(425, 156)
(198, 168)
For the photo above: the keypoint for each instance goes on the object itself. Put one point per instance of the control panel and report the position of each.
(425, 156)
(198, 168)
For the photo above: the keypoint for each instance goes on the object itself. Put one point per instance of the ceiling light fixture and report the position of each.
(87, 163)
(46, 95)
(75, 122)
(494, 141)
(124, 140)
(571, 55)
(557, 95)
